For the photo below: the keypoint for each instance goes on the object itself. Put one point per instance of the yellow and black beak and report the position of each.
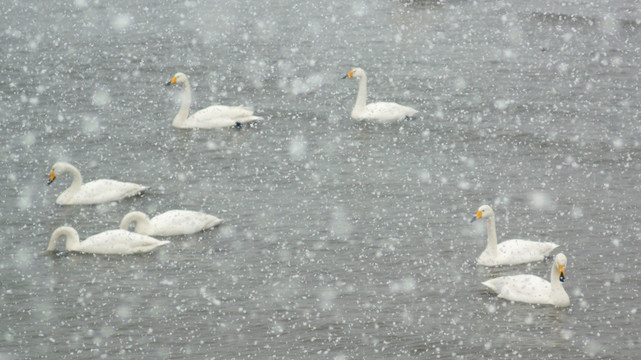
(171, 82)
(479, 215)
(562, 273)
(349, 75)
(52, 177)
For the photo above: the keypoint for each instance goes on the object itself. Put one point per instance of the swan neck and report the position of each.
(554, 276)
(361, 97)
(143, 224)
(76, 183)
(492, 245)
(71, 235)
(183, 112)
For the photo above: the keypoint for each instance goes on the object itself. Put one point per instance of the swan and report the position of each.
(380, 111)
(108, 242)
(217, 116)
(95, 192)
(509, 252)
(173, 222)
(532, 289)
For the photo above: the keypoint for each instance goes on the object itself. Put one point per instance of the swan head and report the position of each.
(355, 73)
(57, 168)
(483, 212)
(560, 261)
(179, 78)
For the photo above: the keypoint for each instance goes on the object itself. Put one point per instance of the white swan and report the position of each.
(95, 192)
(532, 289)
(509, 252)
(217, 116)
(108, 242)
(173, 222)
(380, 111)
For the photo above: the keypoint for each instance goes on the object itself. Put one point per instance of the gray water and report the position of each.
(342, 240)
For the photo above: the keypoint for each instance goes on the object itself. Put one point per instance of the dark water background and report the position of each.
(343, 240)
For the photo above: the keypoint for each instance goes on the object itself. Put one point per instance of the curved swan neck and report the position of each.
(76, 184)
(71, 235)
(361, 97)
(554, 276)
(143, 224)
(185, 103)
(492, 245)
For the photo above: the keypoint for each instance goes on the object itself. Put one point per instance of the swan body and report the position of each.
(533, 289)
(380, 111)
(108, 242)
(217, 116)
(173, 222)
(94, 192)
(509, 252)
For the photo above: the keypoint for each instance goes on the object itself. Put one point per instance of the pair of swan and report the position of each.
(216, 116)
(219, 116)
(122, 241)
(95, 192)
(523, 288)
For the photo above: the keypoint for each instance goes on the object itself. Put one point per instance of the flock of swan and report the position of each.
(521, 288)
(121, 241)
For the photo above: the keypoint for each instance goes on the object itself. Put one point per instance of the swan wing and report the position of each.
(182, 222)
(522, 288)
(100, 191)
(118, 242)
(219, 116)
(387, 111)
(517, 251)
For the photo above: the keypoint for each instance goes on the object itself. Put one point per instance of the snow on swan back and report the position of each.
(95, 192)
(173, 222)
(217, 116)
(532, 289)
(509, 252)
(108, 242)
(380, 111)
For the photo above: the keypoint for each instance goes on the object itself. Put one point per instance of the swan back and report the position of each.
(182, 222)
(119, 242)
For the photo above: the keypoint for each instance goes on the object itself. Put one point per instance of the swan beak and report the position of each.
(173, 81)
(349, 75)
(562, 273)
(478, 216)
(52, 177)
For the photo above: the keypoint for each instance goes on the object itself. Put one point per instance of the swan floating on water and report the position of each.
(173, 222)
(509, 252)
(380, 111)
(94, 192)
(217, 116)
(108, 242)
(533, 289)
